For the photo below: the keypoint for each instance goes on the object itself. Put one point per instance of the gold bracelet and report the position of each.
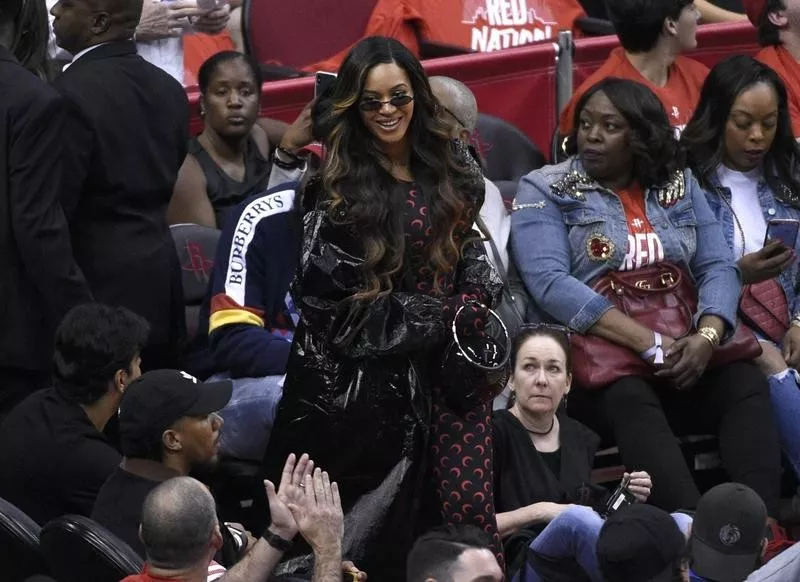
(710, 334)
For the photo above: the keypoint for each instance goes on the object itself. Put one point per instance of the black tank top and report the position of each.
(224, 192)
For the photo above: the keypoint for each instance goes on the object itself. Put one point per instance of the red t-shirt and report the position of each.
(788, 68)
(679, 96)
(215, 572)
(490, 25)
(644, 245)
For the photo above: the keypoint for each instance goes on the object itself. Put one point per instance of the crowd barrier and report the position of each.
(526, 86)
(518, 85)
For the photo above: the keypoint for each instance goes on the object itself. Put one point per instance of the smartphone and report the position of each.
(209, 5)
(324, 80)
(784, 230)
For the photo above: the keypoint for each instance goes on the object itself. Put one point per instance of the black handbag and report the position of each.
(514, 299)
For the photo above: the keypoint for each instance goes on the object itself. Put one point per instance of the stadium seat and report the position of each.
(77, 549)
(196, 246)
(19, 544)
(508, 152)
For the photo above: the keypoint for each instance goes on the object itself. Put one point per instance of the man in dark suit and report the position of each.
(39, 280)
(129, 142)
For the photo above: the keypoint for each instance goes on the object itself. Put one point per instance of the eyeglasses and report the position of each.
(376, 104)
(554, 327)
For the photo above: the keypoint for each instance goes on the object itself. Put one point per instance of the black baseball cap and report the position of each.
(639, 543)
(158, 399)
(728, 532)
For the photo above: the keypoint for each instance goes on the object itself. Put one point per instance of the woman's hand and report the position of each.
(640, 485)
(765, 264)
(771, 360)
(686, 361)
(215, 21)
(791, 347)
(165, 19)
(549, 511)
(298, 135)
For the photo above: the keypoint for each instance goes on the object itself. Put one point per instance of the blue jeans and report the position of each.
(249, 416)
(785, 396)
(573, 534)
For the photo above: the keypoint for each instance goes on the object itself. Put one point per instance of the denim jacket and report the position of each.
(565, 238)
(720, 199)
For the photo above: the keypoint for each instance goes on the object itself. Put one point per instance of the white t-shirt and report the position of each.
(744, 200)
(498, 223)
(167, 53)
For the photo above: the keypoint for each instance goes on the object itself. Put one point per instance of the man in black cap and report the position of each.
(728, 534)
(640, 543)
(169, 427)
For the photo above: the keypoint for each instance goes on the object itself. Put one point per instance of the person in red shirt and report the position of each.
(778, 24)
(490, 25)
(653, 34)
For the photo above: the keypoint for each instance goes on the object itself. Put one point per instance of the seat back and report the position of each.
(19, 544)
(196, 247)
(302, 32)
(509, 154)
(78, 549)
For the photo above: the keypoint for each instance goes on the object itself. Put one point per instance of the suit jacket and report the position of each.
(39, 280)
(129, 141)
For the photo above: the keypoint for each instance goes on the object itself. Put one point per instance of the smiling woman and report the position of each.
(390, 258)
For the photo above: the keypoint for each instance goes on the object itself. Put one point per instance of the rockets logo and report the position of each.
(499, 24)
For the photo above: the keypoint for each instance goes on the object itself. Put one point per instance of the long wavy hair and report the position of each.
(355, 178)
(655, 150)
(31, 37)
(704, 136)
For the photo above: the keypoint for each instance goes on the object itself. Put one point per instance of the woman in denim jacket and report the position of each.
(742, 127)
(622, 203)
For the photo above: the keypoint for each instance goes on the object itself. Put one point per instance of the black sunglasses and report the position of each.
(376, 104)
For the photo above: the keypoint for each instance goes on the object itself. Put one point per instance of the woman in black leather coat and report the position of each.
(389, 257)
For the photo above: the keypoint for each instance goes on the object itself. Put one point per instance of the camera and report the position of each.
(621, 497)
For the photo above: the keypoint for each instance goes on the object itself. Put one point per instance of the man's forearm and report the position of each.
(327, 565)
(256, 565)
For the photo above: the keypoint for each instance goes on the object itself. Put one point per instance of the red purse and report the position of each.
(661, 297)
(764, 307)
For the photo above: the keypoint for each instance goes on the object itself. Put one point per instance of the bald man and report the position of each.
(461, 112)
(128, 141)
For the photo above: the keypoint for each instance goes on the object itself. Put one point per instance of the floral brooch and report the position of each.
(599, 247)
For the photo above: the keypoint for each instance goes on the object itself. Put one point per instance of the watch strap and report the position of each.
(276, 541)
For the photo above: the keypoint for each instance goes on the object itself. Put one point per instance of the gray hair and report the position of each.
(458, 98)
(178, 520)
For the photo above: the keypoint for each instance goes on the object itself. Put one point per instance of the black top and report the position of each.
(224, 192)
(39, 280)
(119, 509)
(553, 461)
(522, 475)
(119, 506)
(53, 459)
